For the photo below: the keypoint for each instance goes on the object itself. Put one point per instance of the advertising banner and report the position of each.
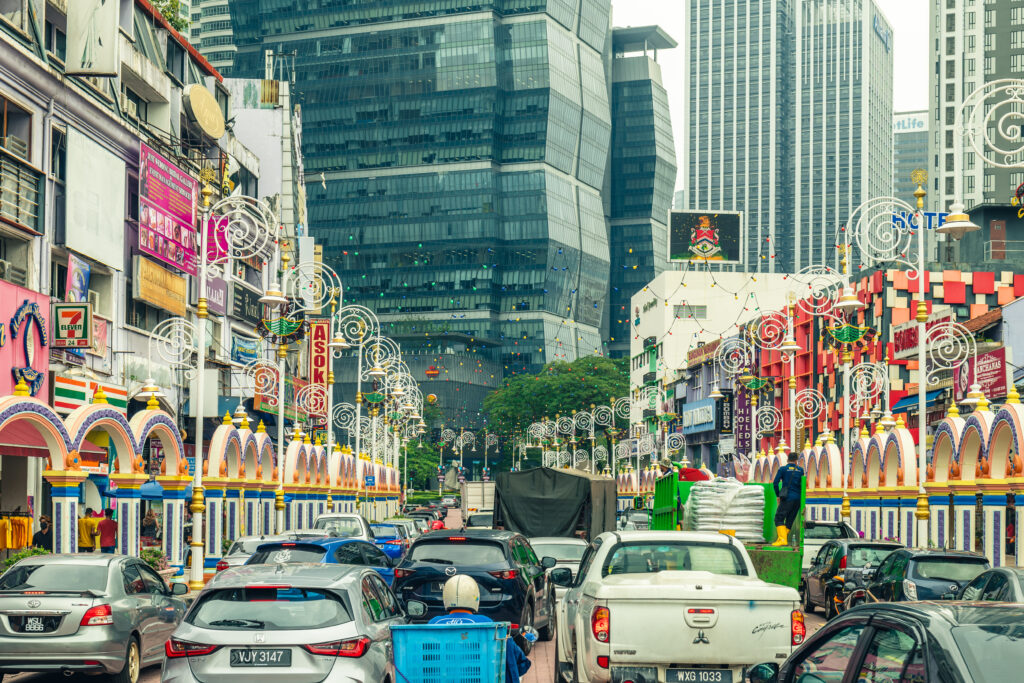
(24, 340)
(72, 325)
(244, 350)
(159, 286)
(74, 392)
(167, 212)
(92, 39)
(702, 354)
(100, 337)
(743, 422)
(96, 183)
(699, 416)
(319, 356)
(216, 294)
(904, 335)
(725, 413)
(76, 285)
(266, 402)
(245, 304)
(990, 370)
(714, 236)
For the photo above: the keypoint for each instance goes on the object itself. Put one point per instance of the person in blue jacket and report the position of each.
(462, 600)
(787, 489)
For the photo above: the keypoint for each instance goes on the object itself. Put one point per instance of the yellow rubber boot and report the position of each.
(783, 536)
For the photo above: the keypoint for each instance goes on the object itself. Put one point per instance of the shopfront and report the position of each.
(699, 420)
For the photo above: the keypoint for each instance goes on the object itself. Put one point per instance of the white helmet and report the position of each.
(461, 592)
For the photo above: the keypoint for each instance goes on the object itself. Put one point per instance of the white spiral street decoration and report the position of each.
(344, 415)
(466, 439)
(767, 419)
(676, 441)
(549, 429)
(810, 404)
(241, 228)
(583, 421)
(996, 107)
(622, 407)
(536, 430)
(604, 416)
(314, 284)
(312, 399)
(646, 444)
(878, 236)
(175, 341)
(262, 377)
(356, 322)
(580, 455)
(380, 351)
(868, 381)
(566, 425)
(817, 289)
(734, 355)
(600, 454)
(948, 347)
(491, 440)
(447, 435)
(550, 458)
(770, 331)
(563, 457)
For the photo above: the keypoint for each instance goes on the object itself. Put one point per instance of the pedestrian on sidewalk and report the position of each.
(108, 532)
(87, 531)
(44, 537)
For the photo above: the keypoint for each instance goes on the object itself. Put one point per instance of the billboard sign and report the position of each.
(990, 370)
(92, 39)
(712, 236)
(72, 325)
(167, 212)
(319, 356)
(904, 335)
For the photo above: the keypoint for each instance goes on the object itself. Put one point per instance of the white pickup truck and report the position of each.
(670, 607)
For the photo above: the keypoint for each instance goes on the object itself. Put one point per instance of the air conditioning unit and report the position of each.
(133, 110)
(211, 352)
(13, 274)
(124, 101)
(16, 146)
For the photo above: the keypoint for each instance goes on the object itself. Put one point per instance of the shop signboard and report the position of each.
(24, 339)
(167, 212)
(159, 287)
(702, 354)
(743, 422)
(70, 393)
(319, 356)
(904, 335)
(699, 416)
(724, 409)
(72, 325)
(216, 294)
(245, 304)
(243, 349)
(990, 370)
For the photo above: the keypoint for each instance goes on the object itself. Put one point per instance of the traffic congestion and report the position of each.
(558, 583)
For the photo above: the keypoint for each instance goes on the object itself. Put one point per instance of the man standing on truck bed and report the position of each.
(787, 490)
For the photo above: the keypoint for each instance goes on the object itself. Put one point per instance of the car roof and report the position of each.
(657, 536)
(323, 542)
(864, 541)
(558, 539)
(92, 559)
(950, 612)
(305, 574)
(916, 553)
(482, 534)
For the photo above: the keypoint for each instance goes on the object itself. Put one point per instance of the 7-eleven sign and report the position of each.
(72, 325)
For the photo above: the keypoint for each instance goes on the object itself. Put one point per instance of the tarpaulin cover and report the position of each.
(554, 502)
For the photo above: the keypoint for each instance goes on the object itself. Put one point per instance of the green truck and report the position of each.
(775, 564)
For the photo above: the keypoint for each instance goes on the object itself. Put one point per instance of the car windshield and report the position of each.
(53, 576)
(386, 530)
(958, 569)
(867, 555)
(342, 526)
(993, 652)
(638, 516)
(481, 520)
(286, 554)
(457, 553)
(245, 547)
(567, 552)
(652, 557)
(823, 531)
(271, 608)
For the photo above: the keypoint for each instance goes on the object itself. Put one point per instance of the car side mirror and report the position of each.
(561, 576)
(548, 562)
(764, 673)
(415, 608)
(394, 561)
(179, 588)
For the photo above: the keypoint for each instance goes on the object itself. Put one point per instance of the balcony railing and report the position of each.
(19, 191)
(1004, 250)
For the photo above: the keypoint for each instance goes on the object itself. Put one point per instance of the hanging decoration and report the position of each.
(28, 315)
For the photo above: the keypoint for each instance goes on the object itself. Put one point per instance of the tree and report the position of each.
(171, 11)
(558, 389)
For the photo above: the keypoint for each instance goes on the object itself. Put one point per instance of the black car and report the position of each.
(839, 567)
(933, 642)
(922, 574)
(1000, 584)
(513, 583)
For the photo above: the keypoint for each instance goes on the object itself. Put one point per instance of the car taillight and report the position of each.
(396, 542)
(505, 574)
(222, 565)
(353, 647)
(600, 623)
(602, 661)
(842, 562)
(700, 610)
(100, 615)
(456, 539)
(797, 628)
(182, 648)
(402, 573)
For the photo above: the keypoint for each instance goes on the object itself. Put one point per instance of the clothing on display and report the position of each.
(15, 531)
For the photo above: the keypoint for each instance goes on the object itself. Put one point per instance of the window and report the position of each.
(15, 258)
(375, 557)
(176, 60)
(974, 588)
(1017, 62)
(997, 589)
(831, 657)
(15, 128)
(348, 554)
(56, 41)
(653, 557)
(1017, 15)
(15, 12)
(154, 584)
(387, 598)
(372, 605)
(691, 311)
(1016, 40)
(990, 18)
(950, 45)
(271, 608)
(893, 655)
(133, 583)
(990, 42)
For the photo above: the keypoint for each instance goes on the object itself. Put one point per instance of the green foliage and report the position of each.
(171, 10)
(155, 558)
(225, 545)
(558, 389)
(27, 552)
(422, 465)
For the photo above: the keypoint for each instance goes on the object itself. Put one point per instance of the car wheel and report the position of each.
(808, 605)
(830, 606)
(548, 632)
(132, 664)
(527, 620)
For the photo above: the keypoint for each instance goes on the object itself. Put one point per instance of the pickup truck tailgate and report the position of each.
(683, 618)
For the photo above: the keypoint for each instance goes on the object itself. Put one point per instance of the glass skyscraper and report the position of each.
(643, 173)
(455, 158)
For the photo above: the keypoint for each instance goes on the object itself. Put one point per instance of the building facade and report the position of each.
(909, 152)
(642, 173)
(789, 120)
(210, 31)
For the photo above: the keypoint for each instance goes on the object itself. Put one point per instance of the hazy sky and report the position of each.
(909, 19)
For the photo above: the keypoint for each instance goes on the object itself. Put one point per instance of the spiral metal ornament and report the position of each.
(817, 289)
(447, 435)
(262, 378)
(466, 439)
(580, 455)
(312, 399)
(767, 419)
(770, 331)
(584, 421)
(380, 351)
(241, 228)
(175, 340)
(867, 382)
(991, 119)
(948, 347)
(536, 430)
(550, 458)
(878, 235)
(603, 416)
(810, 403)
(676, 441)
(566, 425)
(600, 454)
(646, 444)
(344, 416)
(356, 322)
(491, 440)
(623, 407)
(563, 457)
(550, 429)
(313, 284)
(734, 355)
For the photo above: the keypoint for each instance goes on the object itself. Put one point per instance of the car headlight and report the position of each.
(910, 589)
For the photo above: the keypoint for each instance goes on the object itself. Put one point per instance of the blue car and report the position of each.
(328, 551)
(391, 538)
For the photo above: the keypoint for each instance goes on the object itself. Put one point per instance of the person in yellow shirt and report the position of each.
(87, 532)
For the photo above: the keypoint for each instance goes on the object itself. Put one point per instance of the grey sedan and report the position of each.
(1000, 584)
(245, 546)
(92, 613)
(303, 623)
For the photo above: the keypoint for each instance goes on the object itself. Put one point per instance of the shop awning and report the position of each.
(21, 438)
(910, 402)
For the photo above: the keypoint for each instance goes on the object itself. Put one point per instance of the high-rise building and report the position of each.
(210, 31)
(909, 151)
(789, 120)
(643, 173)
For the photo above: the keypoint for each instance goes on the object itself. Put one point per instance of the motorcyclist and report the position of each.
(461, 597)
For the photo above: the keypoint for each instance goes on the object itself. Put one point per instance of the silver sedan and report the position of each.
(245, 546)
(93, 613)
(303, 623)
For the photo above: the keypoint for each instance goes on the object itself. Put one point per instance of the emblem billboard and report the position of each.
(715, 236)
(72, 325)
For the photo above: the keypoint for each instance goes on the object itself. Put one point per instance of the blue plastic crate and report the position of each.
(470, 653)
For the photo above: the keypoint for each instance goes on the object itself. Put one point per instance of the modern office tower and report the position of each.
(789, 120)
(643, 173)
(210, 31)
(909, 152)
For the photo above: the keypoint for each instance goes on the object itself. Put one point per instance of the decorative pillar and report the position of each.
(993, 510)
(233, 509)
(214, 520)
(252, 504)
(1018, 500)
(129, 499)
(174, 517)
(889, 513)
(268, 491)
(64, 492)
(963, 525)
(293, 508)
(908, 521)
